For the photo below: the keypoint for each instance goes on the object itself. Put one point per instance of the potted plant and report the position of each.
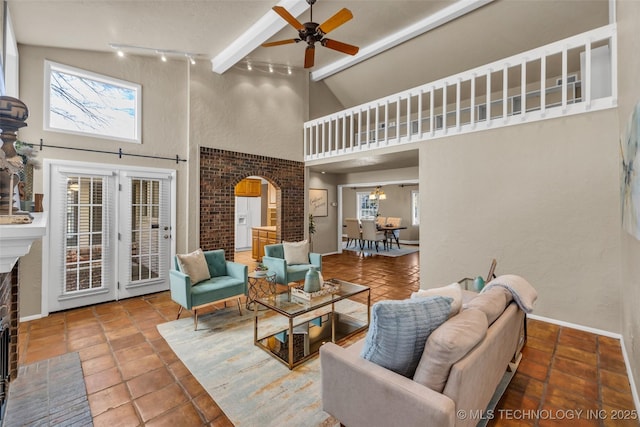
(261, 269)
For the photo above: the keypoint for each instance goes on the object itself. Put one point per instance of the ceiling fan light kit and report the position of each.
(312, 32)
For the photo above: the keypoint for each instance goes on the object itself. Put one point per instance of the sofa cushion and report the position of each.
(216, 288)
(448, 344)
(194, 265)
(399, 330)
(296, 252)
(453, 291)
(492, 303)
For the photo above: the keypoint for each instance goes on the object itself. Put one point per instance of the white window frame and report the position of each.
(374, 204)
(415, 207)
(49, 67)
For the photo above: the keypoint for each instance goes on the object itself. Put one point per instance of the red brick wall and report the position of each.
(9, 312)
(221, 170)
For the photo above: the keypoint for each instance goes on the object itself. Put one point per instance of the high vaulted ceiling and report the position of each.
(207, 27)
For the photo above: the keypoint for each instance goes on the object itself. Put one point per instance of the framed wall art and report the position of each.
(318, 202)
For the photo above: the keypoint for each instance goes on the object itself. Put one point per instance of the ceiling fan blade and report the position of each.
(309, 56)
(284, 14)
(278, 43)
(342, 16)
(340, 47)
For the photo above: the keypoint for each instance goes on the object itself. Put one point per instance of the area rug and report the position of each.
(251, 387)
(393, 252)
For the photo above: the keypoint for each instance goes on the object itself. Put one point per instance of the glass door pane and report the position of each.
(84, 234)
(145, 229)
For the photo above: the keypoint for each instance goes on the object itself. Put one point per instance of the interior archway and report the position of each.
(221, 171)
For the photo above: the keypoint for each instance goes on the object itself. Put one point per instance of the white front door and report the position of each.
(110, 233)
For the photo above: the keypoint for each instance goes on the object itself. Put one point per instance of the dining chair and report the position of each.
(353, 231)
(381, 221)
(370, 234)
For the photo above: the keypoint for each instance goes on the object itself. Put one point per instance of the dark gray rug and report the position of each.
(49, 393)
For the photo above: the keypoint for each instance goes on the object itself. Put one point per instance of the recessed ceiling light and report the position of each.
(120, 53)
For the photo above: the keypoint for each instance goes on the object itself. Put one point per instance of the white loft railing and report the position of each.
(570, 76)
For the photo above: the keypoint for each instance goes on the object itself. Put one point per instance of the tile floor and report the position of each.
(134, 378)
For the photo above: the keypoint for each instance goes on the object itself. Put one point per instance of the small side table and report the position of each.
(260, 286)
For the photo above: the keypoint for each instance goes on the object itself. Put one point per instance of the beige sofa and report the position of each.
(358, 392)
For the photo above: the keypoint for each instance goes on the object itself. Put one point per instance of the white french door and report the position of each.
(145, 239)
(110, 233)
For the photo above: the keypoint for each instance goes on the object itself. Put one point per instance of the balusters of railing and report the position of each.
(586, 87)
(352, 131)
(505, 91)
(523, 89)
(613, 45)
(488, 103)
(431, 110)
(398, 119)
(420, 95)
(359, 129)
(368, 134)
(458, 104)
(564, 78)
(336, 134)
(543, 84)
(386, 121)
(472, 112)
(322, 137)
(344, 133)
(444, 107)
(305, 141)
(377, 125)
(408, 117)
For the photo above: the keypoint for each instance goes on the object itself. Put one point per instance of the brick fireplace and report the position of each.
(221, 170)
(9, 316)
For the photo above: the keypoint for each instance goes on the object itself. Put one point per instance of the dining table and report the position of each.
(389, 232)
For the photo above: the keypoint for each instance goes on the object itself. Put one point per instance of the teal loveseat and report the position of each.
(287, 273)
(228, 281)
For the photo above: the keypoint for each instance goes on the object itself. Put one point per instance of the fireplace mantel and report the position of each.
(16, 240)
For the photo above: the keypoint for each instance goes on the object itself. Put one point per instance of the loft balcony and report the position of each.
(571, 76)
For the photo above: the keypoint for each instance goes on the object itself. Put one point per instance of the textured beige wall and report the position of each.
(184, 107)
(244, 112)
(164, 131)
(323, 101)
(543, 199)
(325, 239)
(629, 96)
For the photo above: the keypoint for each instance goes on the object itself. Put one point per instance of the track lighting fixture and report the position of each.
(163, 53)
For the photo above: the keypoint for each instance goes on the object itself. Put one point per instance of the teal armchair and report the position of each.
(285, 274)
(228, 281)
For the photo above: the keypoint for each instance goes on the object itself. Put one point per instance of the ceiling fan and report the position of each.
(310, 32)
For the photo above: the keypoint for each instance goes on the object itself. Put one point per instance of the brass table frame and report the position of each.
(286, 305)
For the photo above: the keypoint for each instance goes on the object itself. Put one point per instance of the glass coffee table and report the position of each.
(310, 323)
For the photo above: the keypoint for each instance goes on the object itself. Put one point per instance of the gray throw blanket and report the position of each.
(523, 293)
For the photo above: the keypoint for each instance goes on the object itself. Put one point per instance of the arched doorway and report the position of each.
(256, 212)
(221, 170)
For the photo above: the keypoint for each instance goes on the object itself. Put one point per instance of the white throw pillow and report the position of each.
(296, 252)
(195, 266)
(453, 291)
